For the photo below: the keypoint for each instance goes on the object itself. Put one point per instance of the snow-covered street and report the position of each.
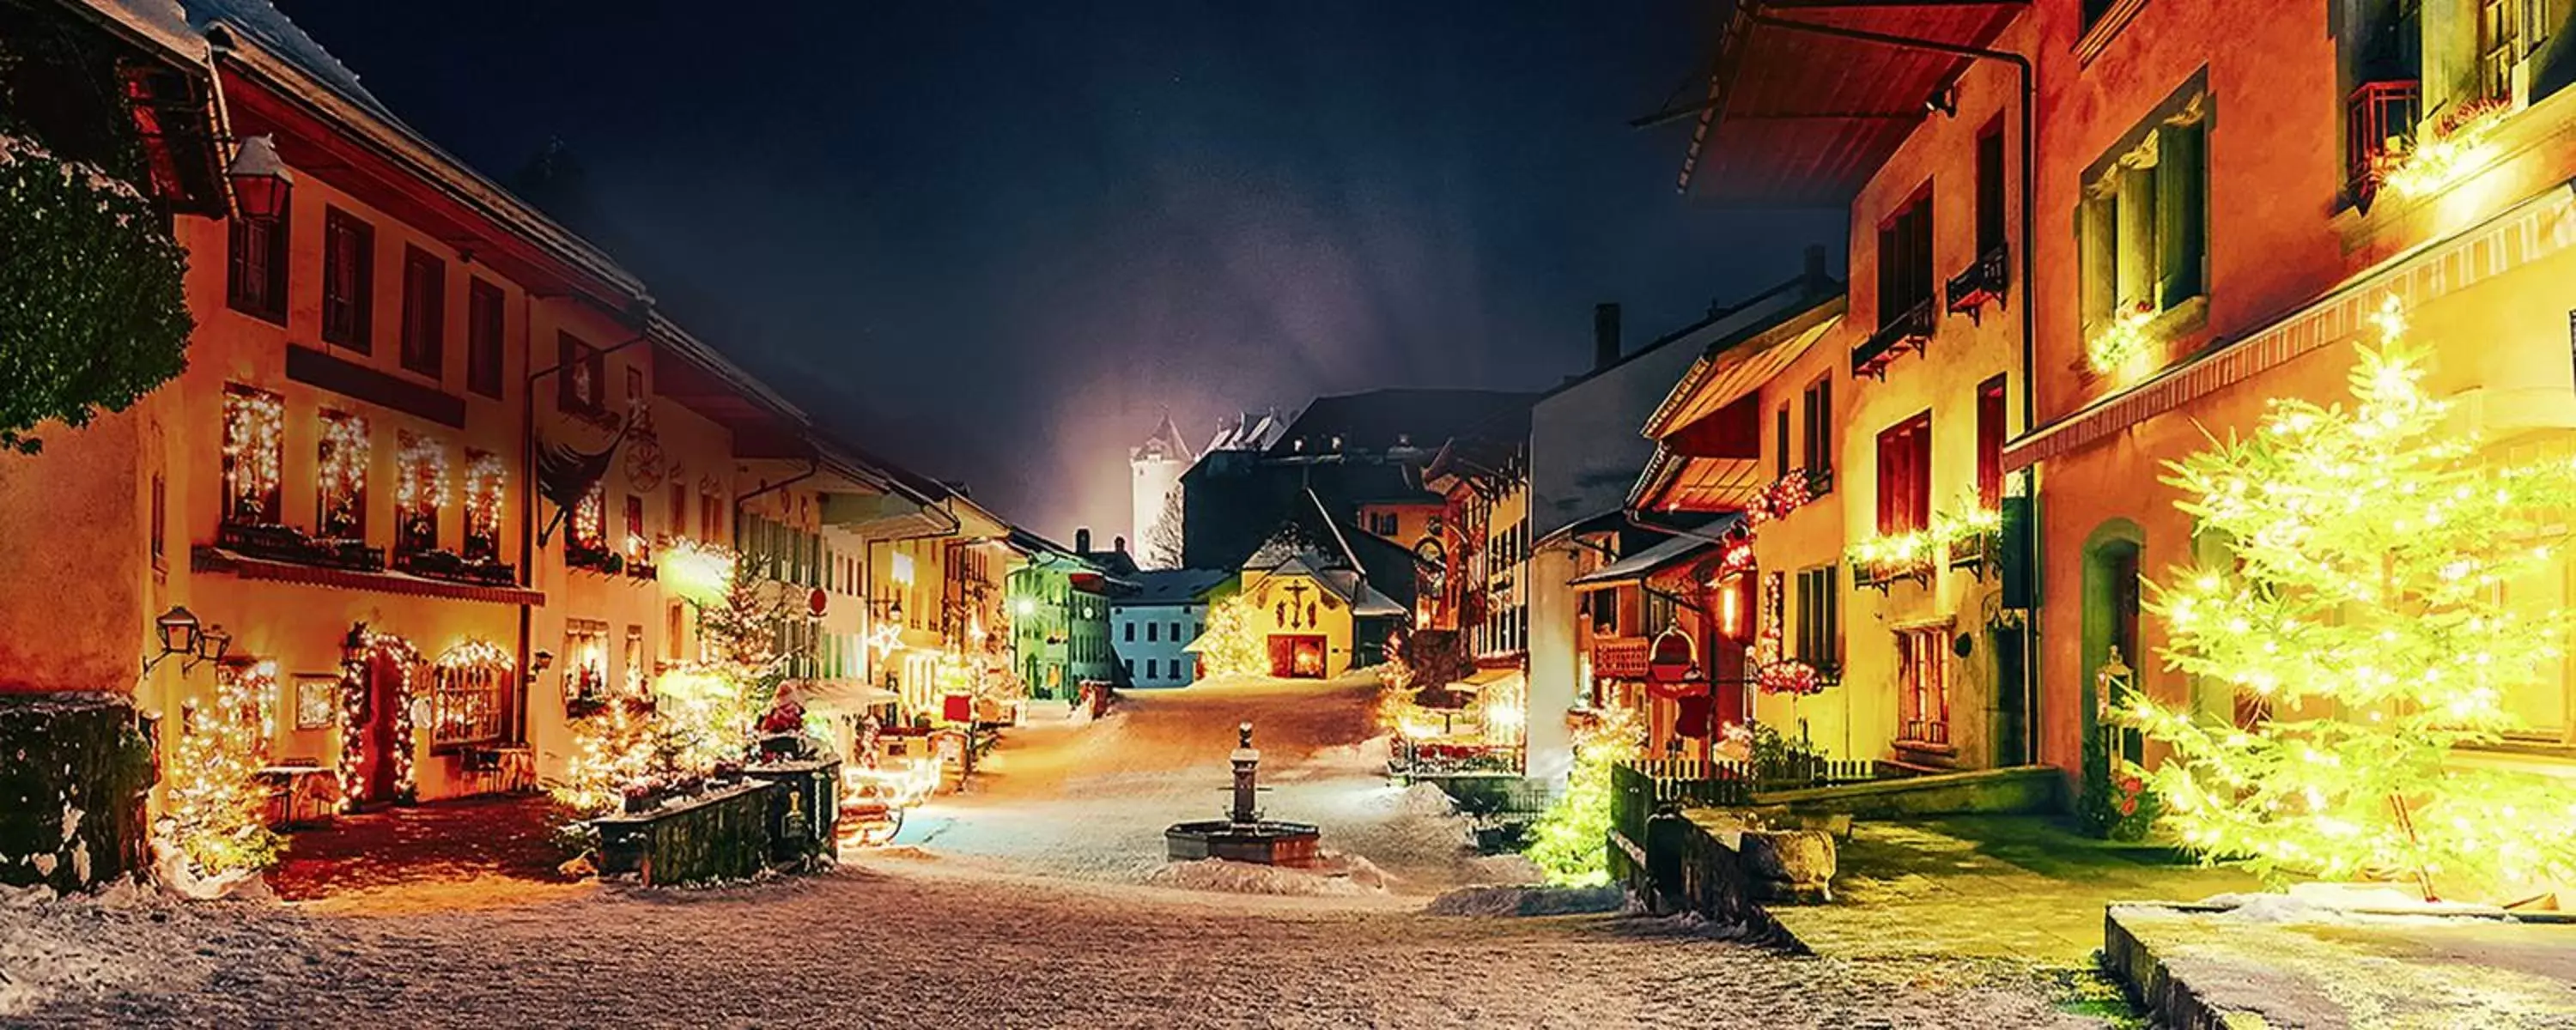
(1037, 899)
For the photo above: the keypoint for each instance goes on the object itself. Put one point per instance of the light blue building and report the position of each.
(1159, 615)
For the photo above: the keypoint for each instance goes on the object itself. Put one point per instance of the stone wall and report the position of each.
(74, 769)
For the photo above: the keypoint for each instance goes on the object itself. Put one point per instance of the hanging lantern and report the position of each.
(260, 179)
(179, 631)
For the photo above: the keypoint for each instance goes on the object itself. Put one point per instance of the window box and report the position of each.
(292, 545)
(595, 558)
(1975, 552)
(1985, 282)
(1907, 333)
(1884, 572)
(1924, 731)
(449, 565)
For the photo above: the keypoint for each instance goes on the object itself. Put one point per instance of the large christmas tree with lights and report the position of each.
(2367, 623)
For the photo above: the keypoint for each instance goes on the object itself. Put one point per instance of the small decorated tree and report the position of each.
(1233, 644)
(2367, 622)
(1570, 842)
(218, 809)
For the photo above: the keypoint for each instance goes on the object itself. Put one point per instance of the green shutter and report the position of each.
(2098, 235)
(2182, 211)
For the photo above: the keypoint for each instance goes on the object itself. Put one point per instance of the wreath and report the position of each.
(93, 307)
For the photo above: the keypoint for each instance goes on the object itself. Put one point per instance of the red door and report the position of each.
(384, 700)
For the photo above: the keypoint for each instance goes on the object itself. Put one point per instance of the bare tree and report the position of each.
(1163, 540)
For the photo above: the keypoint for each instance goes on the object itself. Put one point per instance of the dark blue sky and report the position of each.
(999, 239)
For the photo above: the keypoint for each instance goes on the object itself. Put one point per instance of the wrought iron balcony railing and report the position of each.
(1908, 332)
(1985, 282)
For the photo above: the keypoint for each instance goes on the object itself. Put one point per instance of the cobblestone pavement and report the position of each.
(917, 944)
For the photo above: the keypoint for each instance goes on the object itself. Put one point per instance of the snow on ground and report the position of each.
(1090, 800)
(898, 943)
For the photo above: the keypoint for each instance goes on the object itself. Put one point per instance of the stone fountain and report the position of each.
(1243, 836)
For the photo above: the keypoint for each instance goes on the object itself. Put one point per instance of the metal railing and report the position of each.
(1925, 731)
(1640, 788)
(2379, 119)
(1908, 331)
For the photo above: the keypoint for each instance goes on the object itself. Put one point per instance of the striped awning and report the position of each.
(2530, 231)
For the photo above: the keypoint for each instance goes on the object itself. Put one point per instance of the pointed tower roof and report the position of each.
(1165, 443)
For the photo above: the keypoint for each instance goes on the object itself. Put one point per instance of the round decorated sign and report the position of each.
(815, 601)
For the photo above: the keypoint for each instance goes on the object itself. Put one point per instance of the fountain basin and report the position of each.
(1262, 841)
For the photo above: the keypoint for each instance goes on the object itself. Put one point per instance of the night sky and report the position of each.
(997, 241)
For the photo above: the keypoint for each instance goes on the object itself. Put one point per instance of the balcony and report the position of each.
(1906, 333)
(1930, 732)
(594, 557)
(454, 567)
(1985, 282)
(2379, 126)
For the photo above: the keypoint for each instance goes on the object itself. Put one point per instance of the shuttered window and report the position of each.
(1905, 476)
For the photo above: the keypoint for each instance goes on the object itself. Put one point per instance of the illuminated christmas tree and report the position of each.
(1233, 643)
(217, 807)
(2367, 626)
(1571, 840)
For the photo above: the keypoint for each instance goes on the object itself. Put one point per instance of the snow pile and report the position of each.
(1371, 754)
(1426, 800)
(1527, 901)
(2274, 909)
(85, 945)
(1217, 874)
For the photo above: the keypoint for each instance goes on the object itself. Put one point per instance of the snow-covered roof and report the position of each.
(161, 22)
(1164, 444)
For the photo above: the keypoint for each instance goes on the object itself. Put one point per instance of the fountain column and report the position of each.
(1246, 760)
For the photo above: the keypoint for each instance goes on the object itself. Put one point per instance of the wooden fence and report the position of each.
(1639, 788)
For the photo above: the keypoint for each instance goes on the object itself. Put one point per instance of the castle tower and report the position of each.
(1155, 473)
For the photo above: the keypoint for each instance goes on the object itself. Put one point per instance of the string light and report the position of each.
(254, 446)
(374, 647)
(2384, 641)
(420, 486)
(217, 804)
(343, 474)
(1913, 552)
(485, 481)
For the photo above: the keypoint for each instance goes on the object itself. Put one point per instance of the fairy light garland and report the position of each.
(254, 445)
(374, 646)
(343, 473)
(2365, 603)
(217, 804)
(485, 481)
(1914, 552)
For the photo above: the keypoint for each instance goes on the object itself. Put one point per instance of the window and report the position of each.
(1922, 692)
(635, 539)
(1129, 663)
(468, 702)
(1176, 632)
(348, 281)
(254, 448)
(1153, 668)
(1990, 188)
(1905, 476)
(483, 486)
(255, 270)
(424, 315)
(1819, 624)
(581, 375)
(675, 621)
(484, 328)
(679, 510)
(341, 479)
(420, 489)
(2144, 221)
(1819, 427)
(160, 521)
(1990, 442)
(1780, 443)
(637, 672)
(1151, 629)
(586, 531)
(1131, 633)
(1905, 259)
(710, 516)
(2502, 42)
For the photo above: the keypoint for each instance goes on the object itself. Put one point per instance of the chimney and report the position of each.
(1605, 336)
(1082, 540)
(1118, 544)
(1816, 263)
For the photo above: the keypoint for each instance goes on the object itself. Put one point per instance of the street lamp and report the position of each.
(260, 179)
(179, 631)
(211, 645)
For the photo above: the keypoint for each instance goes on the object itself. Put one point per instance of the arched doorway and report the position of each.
(2111, 609)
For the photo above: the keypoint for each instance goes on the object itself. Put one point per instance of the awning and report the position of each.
(1800, 118)
(1651, 560)
(843, 694)
(2530, 231)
